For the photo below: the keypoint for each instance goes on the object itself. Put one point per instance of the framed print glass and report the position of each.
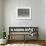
(23, 13)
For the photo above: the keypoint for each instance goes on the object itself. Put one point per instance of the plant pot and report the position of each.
(3, 41)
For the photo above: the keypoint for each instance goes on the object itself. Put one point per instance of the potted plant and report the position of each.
(2, 37)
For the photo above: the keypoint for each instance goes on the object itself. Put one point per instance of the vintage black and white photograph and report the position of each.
(23, 12)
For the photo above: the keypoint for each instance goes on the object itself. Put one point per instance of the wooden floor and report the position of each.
(40, 42)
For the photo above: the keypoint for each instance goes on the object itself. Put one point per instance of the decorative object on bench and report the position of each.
(28, 32)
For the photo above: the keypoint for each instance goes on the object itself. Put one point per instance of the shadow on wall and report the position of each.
(1, 34)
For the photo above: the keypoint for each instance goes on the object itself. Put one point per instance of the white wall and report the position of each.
(45, 19)
(0, 18)
(37, 15)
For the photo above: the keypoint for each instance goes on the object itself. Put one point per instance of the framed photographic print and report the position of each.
(23, 13)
